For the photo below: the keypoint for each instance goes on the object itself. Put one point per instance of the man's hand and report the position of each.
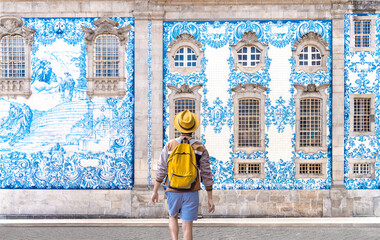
(211, 206)
(154, 198)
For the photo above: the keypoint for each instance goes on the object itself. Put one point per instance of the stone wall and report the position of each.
(229, 203)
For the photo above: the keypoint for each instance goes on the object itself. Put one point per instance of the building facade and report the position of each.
(287, 95)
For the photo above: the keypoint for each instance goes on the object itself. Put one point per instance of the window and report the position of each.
(181, 105)
(310, 56)
(362, 114)
(310, 168)
(15, 49)
(362, 168)
(362, 33)
(310, 122)
(249, 122)
(185, 57)
(310, 53)
(180, 99)
(249, 168)
(106, 47)
(311, 118)
(185, 54)
(249, 56)
(249, 53)
(106, 56)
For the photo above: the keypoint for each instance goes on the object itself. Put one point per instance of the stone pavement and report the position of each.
(206, 228)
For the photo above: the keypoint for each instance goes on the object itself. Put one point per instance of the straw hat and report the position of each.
(186, 122)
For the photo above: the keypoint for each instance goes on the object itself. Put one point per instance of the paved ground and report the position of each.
(207, 233)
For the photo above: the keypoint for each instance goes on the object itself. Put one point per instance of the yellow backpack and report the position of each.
(182, 168)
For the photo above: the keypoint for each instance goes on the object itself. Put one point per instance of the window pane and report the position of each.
(181, 105)
(106, 56)
(310, 122)
(249, 123)
(362, 114)
(12, 59)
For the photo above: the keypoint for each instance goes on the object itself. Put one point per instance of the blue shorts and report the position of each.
(186, 203)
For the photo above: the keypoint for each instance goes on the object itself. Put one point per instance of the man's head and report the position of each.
(186, 122)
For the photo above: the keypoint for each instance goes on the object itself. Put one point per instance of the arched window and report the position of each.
(106, 47)
(249, 53)
(310, 56)
(185, 54)
(311, 118)
(249, 114)
(180, 99)
(185, 57)
(310, 53)
(15, 49)
(249, 56)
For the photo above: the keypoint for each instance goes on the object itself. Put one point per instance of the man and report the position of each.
(185, 202)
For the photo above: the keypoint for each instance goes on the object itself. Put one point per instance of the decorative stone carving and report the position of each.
(249, 90)
(106, 86)
(311, 91)
(20, 86)
(184, 92)
(314, 40)
(249, 39)
(185, 40)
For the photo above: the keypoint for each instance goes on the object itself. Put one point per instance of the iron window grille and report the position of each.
(362, 32)
(310, 122)
(249, 123)
(181, 105)
(311, 168)
(362, 114)
(249, 168)
(106, 57)
(12, 57)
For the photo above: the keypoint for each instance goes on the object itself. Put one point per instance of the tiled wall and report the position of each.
(219, 76)
(59, 138)
(362, 76)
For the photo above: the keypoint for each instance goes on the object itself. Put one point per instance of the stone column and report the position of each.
(142, 19)
(141, 100)
(157, 90)
(338, 97)
(338, 204)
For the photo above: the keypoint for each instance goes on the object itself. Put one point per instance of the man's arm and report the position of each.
(162, 170)
(205, 170)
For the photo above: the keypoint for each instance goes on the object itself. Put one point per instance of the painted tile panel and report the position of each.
(59, 138)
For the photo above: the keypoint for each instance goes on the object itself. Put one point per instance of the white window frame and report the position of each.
(315, 40)
(13, 87)
(106, 86)
(370, 162)
(372, 114)
(260, 161)
(249, 91)
(249, 39)
(184, 92)
(185, 40)
(322, 161)
(311, 91)
(372, 38)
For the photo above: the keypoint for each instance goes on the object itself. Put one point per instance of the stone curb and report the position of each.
(205, 222)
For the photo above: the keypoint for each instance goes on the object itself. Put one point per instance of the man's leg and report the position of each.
(173, 227)
(187, 230)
